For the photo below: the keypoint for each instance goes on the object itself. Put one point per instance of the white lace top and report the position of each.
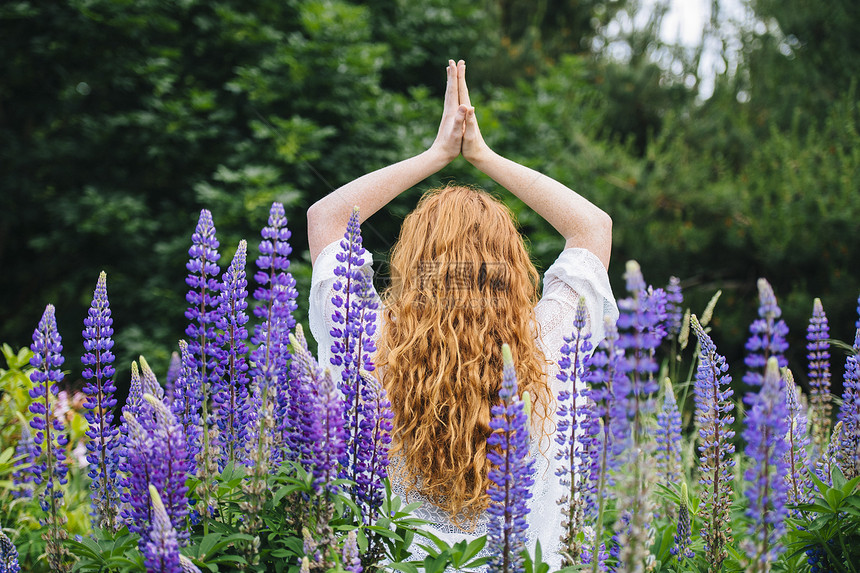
(576, 272)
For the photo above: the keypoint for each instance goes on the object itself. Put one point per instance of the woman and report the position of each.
(462, 284)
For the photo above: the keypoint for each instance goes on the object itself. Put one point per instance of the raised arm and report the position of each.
(579, 221)
(327, 218)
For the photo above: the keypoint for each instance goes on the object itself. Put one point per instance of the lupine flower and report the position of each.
(767, 492)
(148, 381)
(600, 564)
(714, 418)
(510, 473)
(276, 295)
(326, 433)
(138, 474)
(830, 457)
(682, 548)
(849, 415)
(669, 439)
(640, 333)
(169, 463)
(8, 555)
(102, 451)
(799, 483)
(203, 299)
(161, 554)
(230, 396)
(187, 395)
(634, 534)
(818, 348)
(573, 441)
(187, 565)
(767, 336)
(674, 308)
(350, 559)
(50, 441)
(23, 476)
(374, 437)
(355, 320)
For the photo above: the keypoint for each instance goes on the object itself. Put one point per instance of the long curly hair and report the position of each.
(462, 283)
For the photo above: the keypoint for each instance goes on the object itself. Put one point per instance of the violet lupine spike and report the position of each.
(149, 382)
(276, 295)
(170, 464)
(374, 439)
(714, 418)
(668, 440)
(674, 306)
(830, 458)
(767, 337)
(303, 369)
(185, 405)
(161, 554)
(350, 559)
(511, 475)
(571, 432)
(50, 467)
(640, 333)
(849, 414)
(767, 490)
(23, 476)
(187, 565)
(102, 451)
(818, 348)
(230, 396)
(797, 440)
(682, 548)
(8, 555)
(327, 434)
(138, 474)
(355, 324)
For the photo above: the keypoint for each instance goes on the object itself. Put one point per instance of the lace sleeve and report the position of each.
(322, 290)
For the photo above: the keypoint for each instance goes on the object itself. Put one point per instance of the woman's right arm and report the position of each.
(577, 219)
(328, 217)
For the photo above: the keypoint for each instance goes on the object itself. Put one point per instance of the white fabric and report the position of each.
(576, 272)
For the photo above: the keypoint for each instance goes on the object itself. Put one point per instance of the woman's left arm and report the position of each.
(328, 217)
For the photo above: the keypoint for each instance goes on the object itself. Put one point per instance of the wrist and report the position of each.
(482, 158)
(438, 158)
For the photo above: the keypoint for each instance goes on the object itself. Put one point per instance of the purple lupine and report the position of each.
(302, 408)
(818, 348)
(511, 475)
(355, 323)
(138, 474)
(682, 548)
(830, 457)
(102, 451)
(714, 418)
(185, 405)
(573, 441)
(8, 555)
(230, 396)
(374, 438)
(767, 337)
(674, 306)
(668, 440)
(169, 460)
(797, 440)
(23, 476)
(148, 380)
(50, 440)
(276, 295)
(326, 434)
(849, 414)
(349, 557)
(203, 297)
(767, 491)
(640, 333)
(161, 553)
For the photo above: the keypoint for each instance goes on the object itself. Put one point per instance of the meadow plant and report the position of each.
(187, 396)
(682, 548)
(818, 348)
(849, 415)
(767, 337)
(716, 449)
(668, 438)
(49, 466)
(797, 442)
(766, 425)
(25, 453)
(510, 474)
(8, 555)
(161, 553)
(571, 435)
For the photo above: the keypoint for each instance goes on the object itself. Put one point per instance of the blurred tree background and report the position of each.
(120, 120)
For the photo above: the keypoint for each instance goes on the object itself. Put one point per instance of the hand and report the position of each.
(474, 148)
(449, 139)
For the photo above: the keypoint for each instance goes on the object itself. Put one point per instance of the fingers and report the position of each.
(451, 91)
(461, 80)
